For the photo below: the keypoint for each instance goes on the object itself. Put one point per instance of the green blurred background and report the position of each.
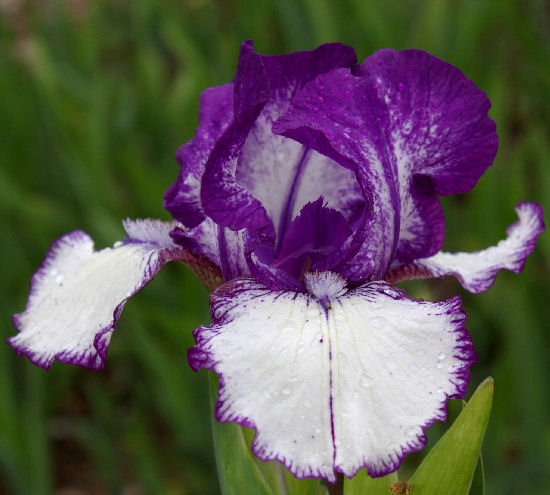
(96, 97)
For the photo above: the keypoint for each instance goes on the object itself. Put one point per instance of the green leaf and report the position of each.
(478, 483)
(449, 467)
(302, 487)
(363, 484)
(237, 470)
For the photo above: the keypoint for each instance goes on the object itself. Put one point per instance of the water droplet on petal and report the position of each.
(411, 432)
(286, 391)
(439, 365)
(441, 356)
(365, 382)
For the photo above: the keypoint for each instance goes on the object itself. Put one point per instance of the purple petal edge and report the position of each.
(86, 343)
(468, 356)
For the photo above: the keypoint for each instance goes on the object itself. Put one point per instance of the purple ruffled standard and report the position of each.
(311, 187)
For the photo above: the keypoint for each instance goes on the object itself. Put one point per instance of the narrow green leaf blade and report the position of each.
(237, 470)
(306, 486)
(362, 484)
(449, 467)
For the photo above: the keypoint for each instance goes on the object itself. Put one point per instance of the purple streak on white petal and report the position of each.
(232, 255)
(284, 176)
(182, 199)
(333, 381)
(77, 294)
(478, 270)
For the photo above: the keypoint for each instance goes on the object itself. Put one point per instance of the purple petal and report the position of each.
(254, 178)
(182, 199)
(440, 134)
(414, 127)
(478, 270)
(313, 240)
(438, 118)
(77, 294)
(313, 235)
(333, 381)
(340, 115)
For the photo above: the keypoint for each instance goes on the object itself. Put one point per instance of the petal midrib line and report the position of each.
(286, 211)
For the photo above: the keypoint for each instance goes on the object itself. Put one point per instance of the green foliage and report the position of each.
(96, 97)
(362, 484)
(450, 465)
(237, 470)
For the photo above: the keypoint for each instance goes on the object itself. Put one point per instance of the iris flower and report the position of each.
(310, 188)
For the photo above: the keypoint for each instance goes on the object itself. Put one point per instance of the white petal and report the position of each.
(77, 294)
(477, 271)
(335, 385)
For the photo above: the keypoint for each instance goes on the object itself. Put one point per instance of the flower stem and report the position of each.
(338, 487)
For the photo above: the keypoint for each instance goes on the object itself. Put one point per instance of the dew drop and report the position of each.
(286, 391)
(317, 430)
(411, 432)
(441, 356)
(365, 382)
(439, 365)
(439, 390)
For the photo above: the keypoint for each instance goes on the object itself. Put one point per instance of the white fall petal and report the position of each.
(77, 294)
(333, 380)
(478, 270)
